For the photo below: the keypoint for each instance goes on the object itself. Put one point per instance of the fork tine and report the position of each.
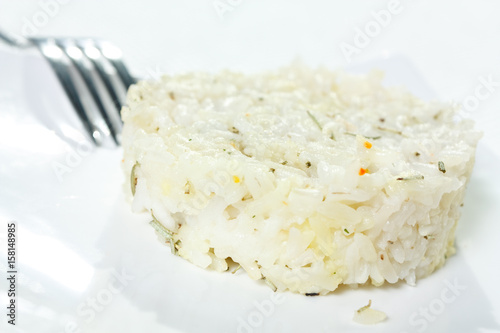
(86, 69)
(76, 89)
(53, 55)
(77, 57)
(94, 54)
(114, 56)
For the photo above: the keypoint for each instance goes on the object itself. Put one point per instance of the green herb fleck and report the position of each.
(417, 177)
(160, 229)
(441, 167)
(366, 137)
(133, 178)
(308, 164)
(164, 232)
(365, 307)
(315, 120)
(346, 231)
(236, 269)
(253, 216)
(270, 284)
(390, 130)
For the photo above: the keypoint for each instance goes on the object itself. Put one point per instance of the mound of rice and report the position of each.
(306, 178)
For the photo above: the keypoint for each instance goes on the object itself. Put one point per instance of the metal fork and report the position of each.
(94, 77)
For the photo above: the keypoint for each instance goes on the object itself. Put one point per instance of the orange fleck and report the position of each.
(284, 202)
(363, 171)
(247, 114)
(236, 179)
(233, 144)
(123, 161)
(368, 145)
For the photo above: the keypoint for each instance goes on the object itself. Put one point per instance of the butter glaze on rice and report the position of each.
(305, 177)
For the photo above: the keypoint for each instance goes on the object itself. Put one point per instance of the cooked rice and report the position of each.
(305, 177)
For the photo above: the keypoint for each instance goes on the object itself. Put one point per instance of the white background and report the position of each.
(452, 44)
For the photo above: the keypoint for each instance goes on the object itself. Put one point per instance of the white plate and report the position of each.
(87, 264)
